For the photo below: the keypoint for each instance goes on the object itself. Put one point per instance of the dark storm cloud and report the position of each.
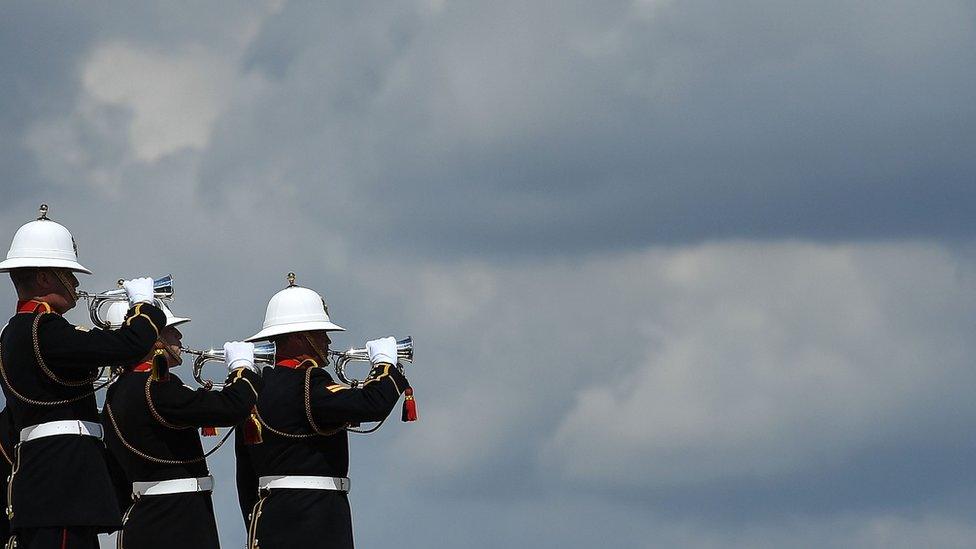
(506, 128)
(39, 49)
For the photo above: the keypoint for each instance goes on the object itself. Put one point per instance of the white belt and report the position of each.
(340, 484)
(64, 427)
(173, 486)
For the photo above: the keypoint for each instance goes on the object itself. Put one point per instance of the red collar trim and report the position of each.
(143, 367)
(33, 306)
(295, 364)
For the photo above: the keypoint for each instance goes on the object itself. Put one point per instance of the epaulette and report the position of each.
(136, 313)
(239, 376)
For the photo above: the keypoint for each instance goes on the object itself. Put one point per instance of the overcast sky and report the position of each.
(681, 273)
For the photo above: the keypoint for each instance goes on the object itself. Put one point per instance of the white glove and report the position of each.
(139, 290)
(239, 354)
(382, 350)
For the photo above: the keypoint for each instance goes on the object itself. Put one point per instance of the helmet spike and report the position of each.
(291, 279)
(42, 212)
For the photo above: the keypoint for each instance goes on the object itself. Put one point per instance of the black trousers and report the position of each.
(73, 537)
(174, 521)
(307, 519)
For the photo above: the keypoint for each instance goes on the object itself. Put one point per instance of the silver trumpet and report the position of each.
(264, 353)
(106, 376)
(162, 290)
(342, 358)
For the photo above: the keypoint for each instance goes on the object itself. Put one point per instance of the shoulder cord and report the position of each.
(368, 379)
(147, 457)
(308, 415)
(33, 402)
(308, 409)
(44, 368)
(155, 413)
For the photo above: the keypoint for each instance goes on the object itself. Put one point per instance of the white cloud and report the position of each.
(774, 359)
(143, 98)
(687, 365)
(175, 97)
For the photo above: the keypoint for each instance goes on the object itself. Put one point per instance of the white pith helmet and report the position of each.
(115, 314)
(295, 309)
(43, 243)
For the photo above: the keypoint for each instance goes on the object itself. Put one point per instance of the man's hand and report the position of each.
(240, 354)
(139, 290)
(382, 351)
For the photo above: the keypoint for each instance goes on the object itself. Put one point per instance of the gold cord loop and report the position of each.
(308, 415)
(155, 413)
(43, 365)
(153, 459)
(35, 402)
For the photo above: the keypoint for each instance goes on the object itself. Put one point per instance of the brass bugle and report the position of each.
(264, 353)
(342, 358)
(162, 290)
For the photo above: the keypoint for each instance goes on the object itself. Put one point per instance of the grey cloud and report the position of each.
(732, 381)
(505, 350)
(39, 48)
(581, 522)
(409, 162)
(496, 129)
(41, 53)
(785, 334)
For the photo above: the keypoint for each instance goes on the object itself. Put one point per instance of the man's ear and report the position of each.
(44, 280)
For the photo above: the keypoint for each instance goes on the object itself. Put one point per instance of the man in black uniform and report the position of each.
(151, 420)
(60, 492)
(293, 464)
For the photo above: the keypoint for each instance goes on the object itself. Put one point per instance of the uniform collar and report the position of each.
(296, 364)
(33, 306)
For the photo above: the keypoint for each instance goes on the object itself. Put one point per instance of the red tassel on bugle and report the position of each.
(409, 406)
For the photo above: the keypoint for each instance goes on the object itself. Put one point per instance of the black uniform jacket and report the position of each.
(165, 429)
(307, 518)
(47, 368)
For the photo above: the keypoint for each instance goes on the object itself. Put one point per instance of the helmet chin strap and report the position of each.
(321, 355)
(64, 282)
(175, 356)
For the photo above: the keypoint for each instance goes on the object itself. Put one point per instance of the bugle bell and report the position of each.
(342, 358)
(264, 353)
(162, 290)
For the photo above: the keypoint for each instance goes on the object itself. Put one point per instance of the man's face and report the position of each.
(59, 286)
(319, 341)
(171, 340)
